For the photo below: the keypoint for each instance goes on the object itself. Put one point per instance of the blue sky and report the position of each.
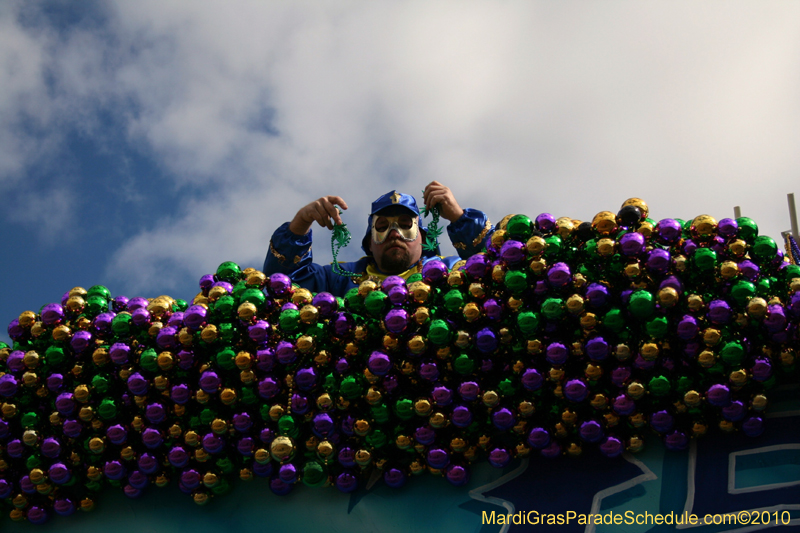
(143, 143)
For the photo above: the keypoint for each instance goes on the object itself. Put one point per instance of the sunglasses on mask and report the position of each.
(405, 225)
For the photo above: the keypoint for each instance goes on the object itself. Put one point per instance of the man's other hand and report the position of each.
(437, 194)
(322, 211)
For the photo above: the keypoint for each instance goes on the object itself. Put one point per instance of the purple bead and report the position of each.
(15, 331)
(141, 317)
(486, 340)
(167, 338)
(279, 285)
(322, 425)
(119, 353)
(442, 396)
(176, 320)
(499, 457)
(346, 482)
(266, 435)
(262, 470)
(749, 270)
(325, 303)
(753, 426)
(632, 244)
(591, 431)
(661, 421)
(268, 388)
(209, 381)
(64, 507)
(65, 404)
(673, 282)
(286, 353)
(727, 227)
(80, 341)
(102, 322)
(689, 247)
(306, 379)
(206, 282)
(396, 320)
(225, 285)
(394, 477)
(148, 464)
(597, 349)
(538, 438)
(195, 316)
(658, 261)
(379, 363)
(461, 417)
(429, 371)
(54, 382)
(493, 309)
(117, 434)
(52, 314)
(552, 450)
(6, 489)
(620, 375)
(540, 288)
(512, 252)
(775, 320)
(719, 395)
(677, 440)
(477, 266)
(137, 384)
(4, 431)
(597, 294)
(612, 447)
(288, 473)
(180, 394)
(437, 458)
(155, 413)
(242, 422)
(152, 438)
(137, 303)
(434, 271)
(719, 312)
(114, 470)
(15, 361)
(390, 384)
(178, 457)
(37, 515)
(138, 480)
(342, 365)
(72, 429)
(734, 411)
(457, 475)
(469, 391)
(51, 448)
(688, 328)
(668, 231)
(59, 473)
(245, 446)
(503, 419)
(26, 485)
(559, 275)
(762, 369)
(213, 444)
(575, 390)
(259, 331)
(346, 457)
(425, 435)
(624, 405)
(556, 353)
(545, 222)
(343, 324)
(190, 479)
(300, 404)
(640, 363)
(532, 379)
(398, 295)
(8, 385)
(265, 359)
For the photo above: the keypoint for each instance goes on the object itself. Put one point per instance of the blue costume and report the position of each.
(290, 254)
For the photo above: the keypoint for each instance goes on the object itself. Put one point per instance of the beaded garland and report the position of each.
(560, 336)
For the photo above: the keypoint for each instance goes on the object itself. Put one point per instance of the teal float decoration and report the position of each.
(562, 335)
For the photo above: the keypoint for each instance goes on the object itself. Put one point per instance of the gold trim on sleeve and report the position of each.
(479, 238)
(274, 252)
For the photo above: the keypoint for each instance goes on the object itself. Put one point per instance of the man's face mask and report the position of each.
(406, 226)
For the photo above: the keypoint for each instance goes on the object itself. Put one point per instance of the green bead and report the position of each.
(659, 386)
(380, 413)
(590, 248)
(353, 301)
(350, 388)
(554, 246)
(224, 305)
(287, 426)
(516, 281)
(313, 474)
(528, 323)
(54, 355)
(107, 409)
(249, 396)
(254, 296)
(229, 271)
(657, 327)
(226, 359)
(453, 300)
(614, 320)
(414, 277)
(225, 465)
(238, 290)
(507, 387)
(764, 248)
(376, 438)
(149, 360)
(732, 353)
(439, 332)
(223, 487)
(98, 290)
(95, 305)
(742, 290)
(121, 324)
(29, 420)
(207, 416)
(519, 227)
(684, 384)
(553, 308)
(790, 272)
(181, 305)
(100, 383)
(375, 302)
(463, 364)
(748, 229)
(763, 287)
(264, 412)
(404, 409)
(227, 332)
(705, 259)
(34, 461)
(642, 304)
(289, 319)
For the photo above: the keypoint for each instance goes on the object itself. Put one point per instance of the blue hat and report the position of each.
(390, 199)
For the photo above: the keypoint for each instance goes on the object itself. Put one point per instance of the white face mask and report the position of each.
(406, 226)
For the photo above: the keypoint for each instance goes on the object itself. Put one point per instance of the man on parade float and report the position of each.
(393, 241)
